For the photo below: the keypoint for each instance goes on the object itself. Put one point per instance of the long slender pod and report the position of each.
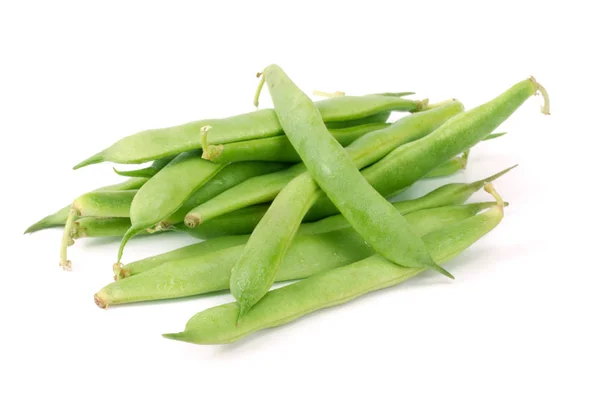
(279, 148)
(167, 191)
(219, 325)
(158, 143)
(364, 151)
(59, 218)
(206, 267)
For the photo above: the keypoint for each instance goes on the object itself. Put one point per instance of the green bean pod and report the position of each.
(105, 204)
(411, 162)
(158, 143)
(206, 267)
(59, 218)
(371, 119)
(147, 172)
(449, 167)
(335, 171)
(230, 176)
(365, 150)
(238, 222)
(244, 221)
(220, 324)
(279, 148)
(191, 251)
(457, 163)
(167, 191)
(100, 227)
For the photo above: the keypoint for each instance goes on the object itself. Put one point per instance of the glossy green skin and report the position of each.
(280, 149)
(239, 222)
(167, 191)
(230, 176)
(447, 168)
(220, 324)
(411, 162)
(364, 151)
(158, 143)
(147, 172)
(245, 220)
(100, 227)
(105, 204)
(242, 222)
(257, 266)
(59, 218)
(458, 163)
(371, 119)
(337, 172)
(191, 251)
(203, 268)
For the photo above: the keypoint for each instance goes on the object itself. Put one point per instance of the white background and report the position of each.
(520, 320)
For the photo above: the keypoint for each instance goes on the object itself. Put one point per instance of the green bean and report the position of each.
(59, 218)
(244, 221)
(365, 150)
(100, 227)
(238, 222)
(423, 224)
(457, 163)
(495, 135)
(105, 204)
(230, 176)
(337, 172)
(450, 167)
(147, 172)
(411, 162)
(167, 191)
(195, 269)
(158, 143)
(279, 148)
(193, 250)
(372, 119)
(333, 287)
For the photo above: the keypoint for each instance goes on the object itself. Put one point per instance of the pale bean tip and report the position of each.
(99, 302)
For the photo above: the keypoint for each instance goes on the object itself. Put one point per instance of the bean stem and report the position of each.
(67, 240)
(209, 152)
(261, 83)
(542, 90)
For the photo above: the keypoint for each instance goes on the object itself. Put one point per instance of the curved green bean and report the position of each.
(279, 148)
(449, 167)
(371, 119)
(206, 267)
(230, 176)
(158, 143)
(167, 191)
(333, 287)
(59, 218)
(105, 204)
(191, 251)
(411, 162)
(365, 150)
(100, 227)
(337, 172)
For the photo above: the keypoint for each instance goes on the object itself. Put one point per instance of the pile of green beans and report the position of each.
(300, 193)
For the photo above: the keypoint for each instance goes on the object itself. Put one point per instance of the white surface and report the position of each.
(520, 320)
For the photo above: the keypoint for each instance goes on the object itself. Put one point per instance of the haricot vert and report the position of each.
(303, 191)
(333, 169)
(154, 144)
(206, 267)
(220, 324)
